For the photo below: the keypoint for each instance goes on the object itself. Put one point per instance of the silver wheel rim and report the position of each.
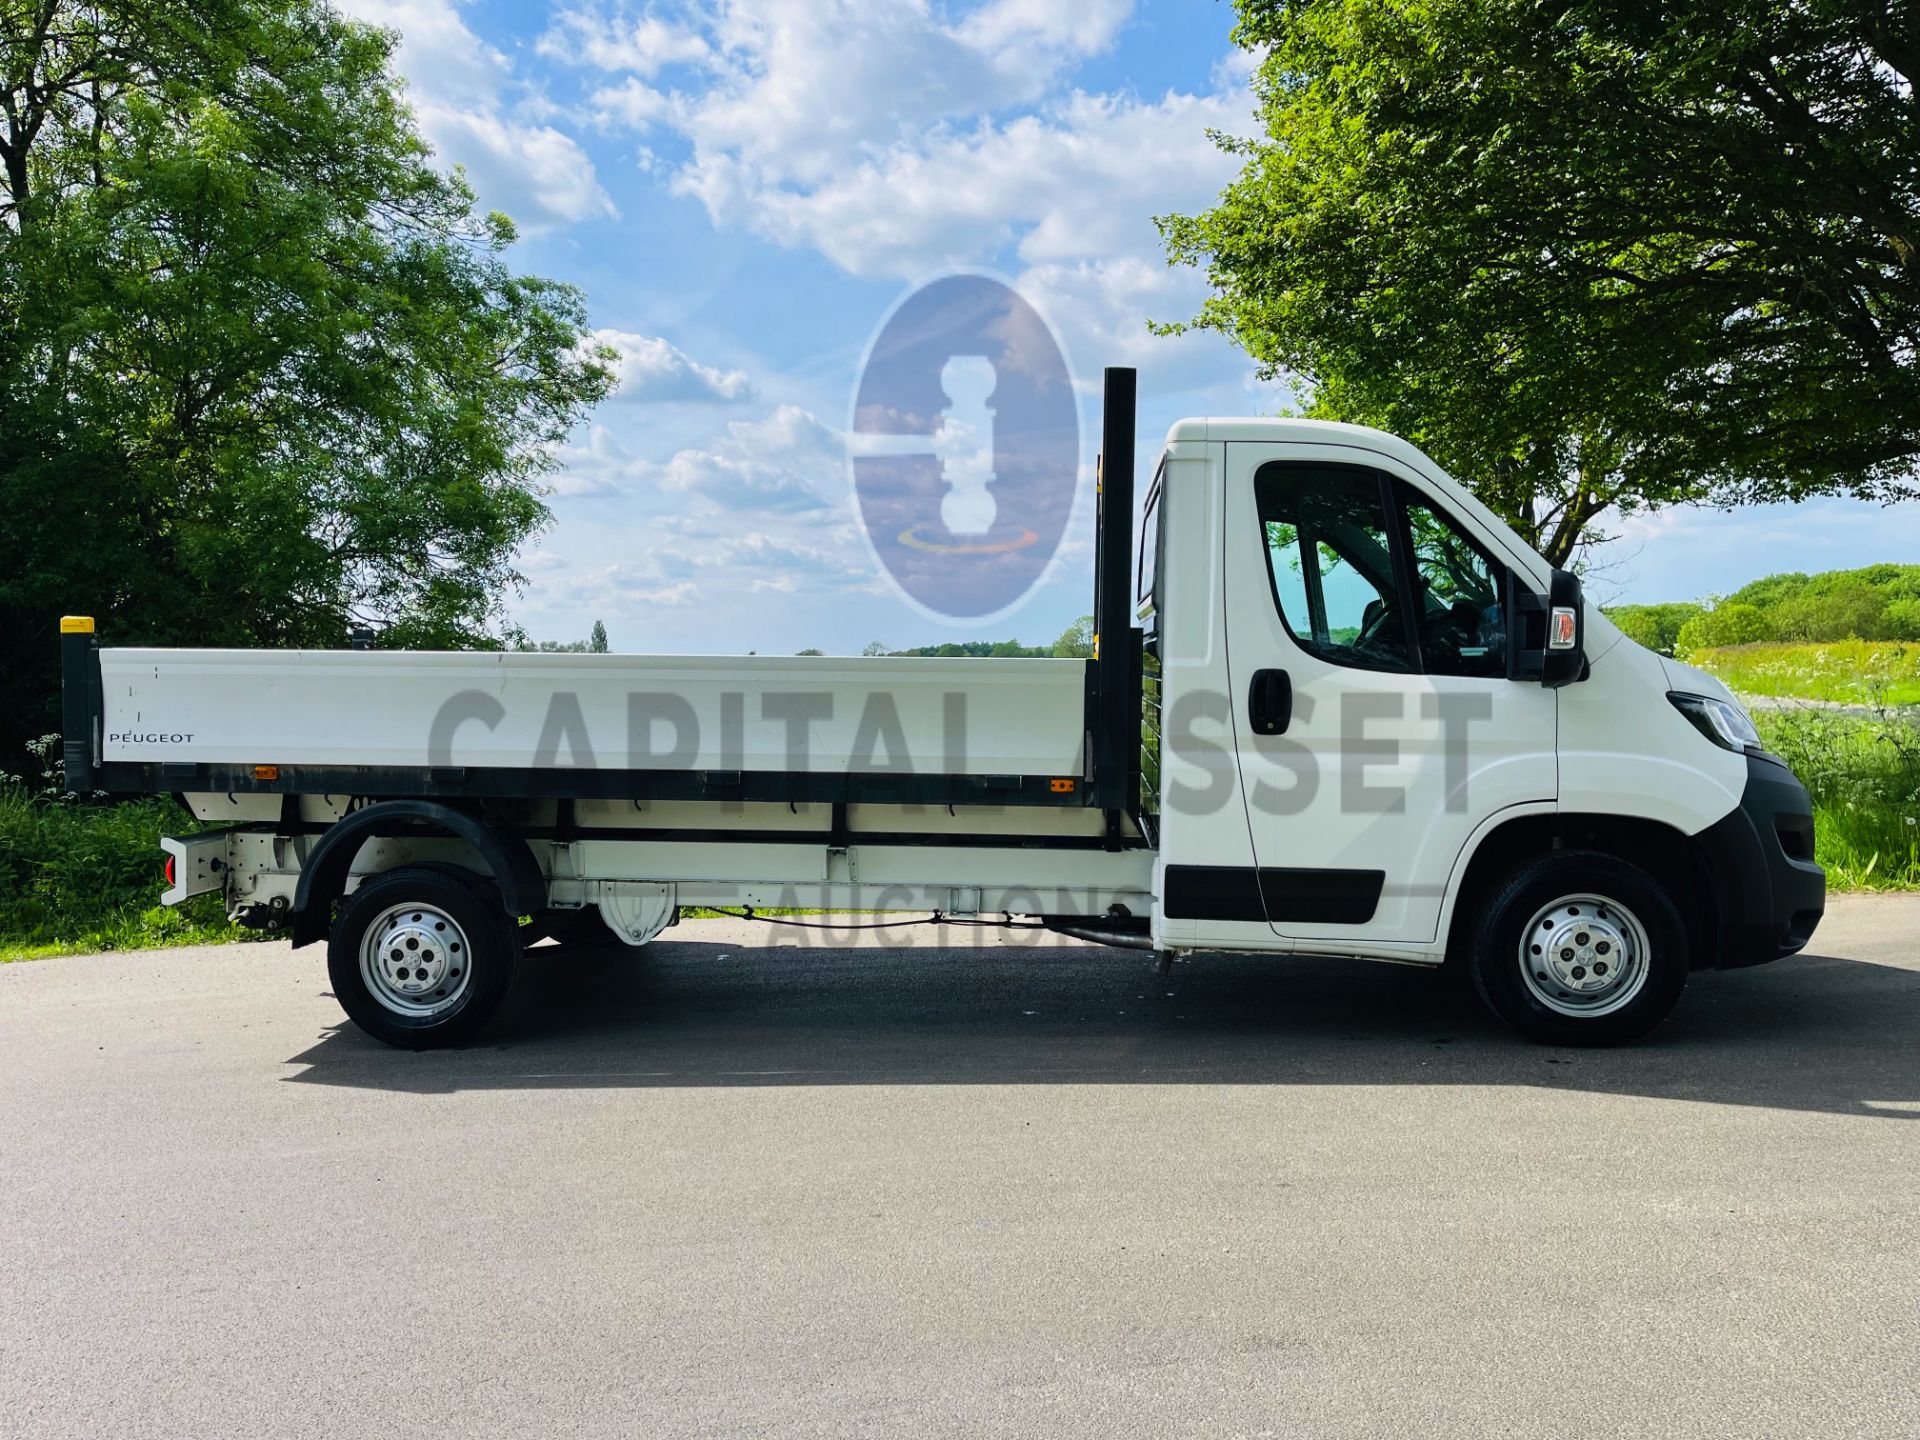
(1584, 955)
(414, 960)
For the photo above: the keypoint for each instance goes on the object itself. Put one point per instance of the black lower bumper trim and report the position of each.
(1767, 890)
(1275, 894)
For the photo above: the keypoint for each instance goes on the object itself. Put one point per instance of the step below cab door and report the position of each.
(1374, 723)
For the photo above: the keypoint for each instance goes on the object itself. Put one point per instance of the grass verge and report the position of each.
(1853, 672)
(80, 878)
(1864, 775)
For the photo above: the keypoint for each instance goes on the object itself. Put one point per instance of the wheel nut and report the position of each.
(1579, 972)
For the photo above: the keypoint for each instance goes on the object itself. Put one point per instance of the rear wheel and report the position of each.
(1580, 948)
(420, 958)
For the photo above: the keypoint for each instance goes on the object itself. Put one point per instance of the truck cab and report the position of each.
(1362, 738)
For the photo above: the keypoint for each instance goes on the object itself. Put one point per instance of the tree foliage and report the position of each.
(1076, 641)
(266, 374)
(1655, 626)
(1874, 602)
(1729, 623)
(1588, 255)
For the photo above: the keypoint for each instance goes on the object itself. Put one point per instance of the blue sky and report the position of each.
(744, 187)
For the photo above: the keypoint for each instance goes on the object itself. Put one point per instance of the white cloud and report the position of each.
(654, 370)
(631, 105)
(771, 465)
(683, 593)
(622, 590)
(791, 89)
(735, 482)
(773, 554)
(1078, 182)
(605, 41)
(438, 54)
(1004, 25)
(534, 173)
(898, 140)
(596, 468)
(787, 463)
(464, 93)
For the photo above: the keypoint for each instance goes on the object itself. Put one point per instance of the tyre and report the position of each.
(1580, 948)
(421, 958)
(528, 931)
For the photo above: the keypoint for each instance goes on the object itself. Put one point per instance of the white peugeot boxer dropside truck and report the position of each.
(1375, 724)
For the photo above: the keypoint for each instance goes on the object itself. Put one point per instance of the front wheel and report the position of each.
(420, 958)
(1580, 948)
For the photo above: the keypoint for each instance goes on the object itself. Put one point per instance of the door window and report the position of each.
(1330, 558)
(1458, 595)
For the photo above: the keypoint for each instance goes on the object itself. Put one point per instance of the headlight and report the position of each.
(1725, 724)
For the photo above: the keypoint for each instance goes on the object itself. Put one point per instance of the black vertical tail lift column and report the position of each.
(1114, 682)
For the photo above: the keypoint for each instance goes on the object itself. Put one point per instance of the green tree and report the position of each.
(1655, 626)
(1902, 620)
(265, 372)
(1849, 611)
(597, 641)
(1588, 255)
(1076, 640)
(1728, 623)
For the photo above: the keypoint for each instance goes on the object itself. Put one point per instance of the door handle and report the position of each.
(1270, 702)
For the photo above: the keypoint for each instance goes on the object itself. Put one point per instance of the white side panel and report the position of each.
(1203, 815)
(344, 707)
(1624, 749)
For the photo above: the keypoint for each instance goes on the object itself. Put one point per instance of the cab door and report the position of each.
(1374, 724)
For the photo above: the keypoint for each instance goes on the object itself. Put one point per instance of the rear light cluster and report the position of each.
(171, 882)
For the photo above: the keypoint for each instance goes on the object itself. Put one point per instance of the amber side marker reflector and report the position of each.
(1062, 787)
(266, 772)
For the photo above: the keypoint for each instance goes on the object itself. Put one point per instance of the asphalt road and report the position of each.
(726, 1189)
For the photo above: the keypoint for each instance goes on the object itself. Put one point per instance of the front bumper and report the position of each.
(1768, 892)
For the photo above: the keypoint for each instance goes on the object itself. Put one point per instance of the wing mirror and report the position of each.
(1565, 659)
(1547, 633)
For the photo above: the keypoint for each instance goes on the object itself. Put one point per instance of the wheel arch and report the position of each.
(323, 877)
(1669, 856)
